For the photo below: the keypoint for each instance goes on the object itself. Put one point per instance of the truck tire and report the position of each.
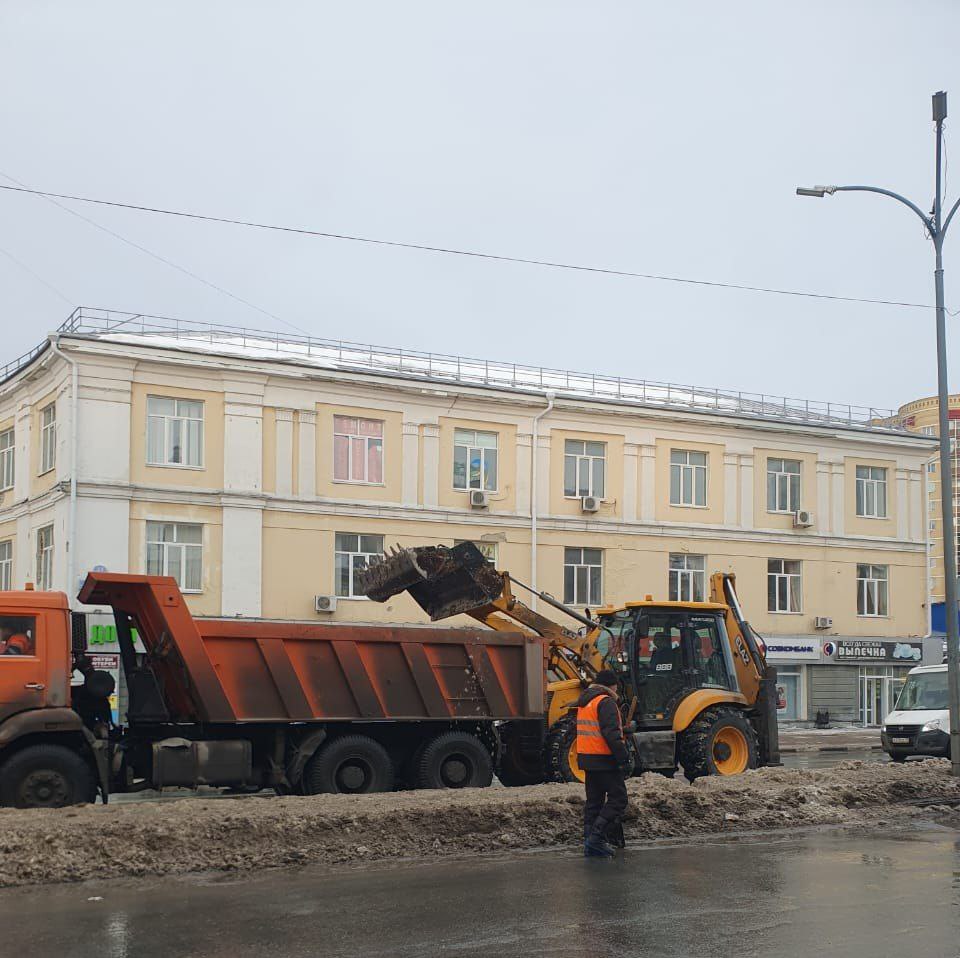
(352, 764)
(46, 776)
(515, 771)
(719, 742)
(560, 751)
(455, 760)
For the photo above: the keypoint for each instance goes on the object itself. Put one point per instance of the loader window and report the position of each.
(18, 635)
(613, 640)
(659, 661)
(710, 652)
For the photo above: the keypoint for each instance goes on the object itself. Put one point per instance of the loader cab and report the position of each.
(664, 652)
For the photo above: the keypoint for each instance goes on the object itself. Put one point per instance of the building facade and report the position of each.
(262, 473)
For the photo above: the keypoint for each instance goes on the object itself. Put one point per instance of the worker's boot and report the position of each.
(594, 845)
(614, 836)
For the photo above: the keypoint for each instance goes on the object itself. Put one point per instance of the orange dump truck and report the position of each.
(250, 704)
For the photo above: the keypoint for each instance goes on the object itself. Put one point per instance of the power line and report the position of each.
(462, 252)
(143, 249)
(53, 289)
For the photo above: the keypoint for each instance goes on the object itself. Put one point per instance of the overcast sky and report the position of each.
(656, 137)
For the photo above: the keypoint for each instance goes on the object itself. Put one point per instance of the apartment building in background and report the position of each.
(263, 471)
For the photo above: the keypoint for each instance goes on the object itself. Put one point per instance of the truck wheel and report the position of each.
(720, 742)
(516, 771)
(560, 752)
(46, 776)
(352, 764)
(455, 760)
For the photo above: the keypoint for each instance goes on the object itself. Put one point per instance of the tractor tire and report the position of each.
(560, 751)
(455, 760)
(720, 742)
(46, 776)
(353, 764)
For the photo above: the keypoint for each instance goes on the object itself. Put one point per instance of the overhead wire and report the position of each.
(53, 289)
(452, 251)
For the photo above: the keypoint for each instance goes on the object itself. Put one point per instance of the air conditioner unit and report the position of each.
(802, 519)
(478, 499)
(590, 503)
(325, 603)
(823, 622)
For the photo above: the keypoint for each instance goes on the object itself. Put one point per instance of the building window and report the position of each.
(783, 585)
(174, 432)
(176, 549)
(584, 466)
(688, 478)
(872, 582)
(872, 492)
(48, 438)
(357, 449)
(582, 576)
(353, 553)
(6, 565)
(487, 549)
(687, 578)
(474, 460)
(45, 558)
(6, 459)
(783, 485)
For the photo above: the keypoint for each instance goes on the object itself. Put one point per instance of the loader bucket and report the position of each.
(442, 581)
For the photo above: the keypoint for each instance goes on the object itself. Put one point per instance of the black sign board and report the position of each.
(870, 650)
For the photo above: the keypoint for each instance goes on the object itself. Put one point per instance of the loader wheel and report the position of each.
(455, 760)
(46, 776)
(720, 742)
(352, 764)
(560, 752)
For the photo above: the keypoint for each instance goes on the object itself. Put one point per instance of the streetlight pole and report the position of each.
(937, 227)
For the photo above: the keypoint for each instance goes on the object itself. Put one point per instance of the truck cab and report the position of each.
(920, 722)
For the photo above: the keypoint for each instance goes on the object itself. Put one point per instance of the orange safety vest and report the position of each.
(590, 740)
(19, 642)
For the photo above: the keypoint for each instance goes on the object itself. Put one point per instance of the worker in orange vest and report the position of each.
(13, 642)
(603, 756)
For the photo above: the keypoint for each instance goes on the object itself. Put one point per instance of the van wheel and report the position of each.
(353, 764)
(898, 758)
(720, 742)
(46, 776)
(455, 760)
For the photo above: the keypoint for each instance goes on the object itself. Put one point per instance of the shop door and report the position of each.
(872, 709)
(788, 690)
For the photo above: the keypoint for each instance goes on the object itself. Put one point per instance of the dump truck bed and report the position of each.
(235, 670)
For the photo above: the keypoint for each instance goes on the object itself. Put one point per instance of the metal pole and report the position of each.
(946, 472)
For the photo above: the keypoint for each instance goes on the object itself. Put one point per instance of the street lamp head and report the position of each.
(820, 191)
(939, 106)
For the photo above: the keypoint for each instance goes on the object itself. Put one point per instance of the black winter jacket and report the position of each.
(607, 714)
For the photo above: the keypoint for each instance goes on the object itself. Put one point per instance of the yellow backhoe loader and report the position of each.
(693, 676)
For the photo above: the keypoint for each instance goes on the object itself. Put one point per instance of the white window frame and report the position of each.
(6, 565)
(873, 581)
(176, 569)
(45, 557)
(871, 489)
(683, 478)
(367, 441)
(593, 463)
(687, 580)
(48, 438)
(786, 485)
(7, 459)
(164, 421)
(471, 446)
(783, 583)
(354, 565)
(592, 587)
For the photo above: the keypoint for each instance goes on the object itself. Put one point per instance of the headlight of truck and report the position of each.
(932, 726)
(883, 729)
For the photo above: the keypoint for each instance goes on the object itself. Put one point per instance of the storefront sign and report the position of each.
(869, 650)
(109, 663)
(795, 650)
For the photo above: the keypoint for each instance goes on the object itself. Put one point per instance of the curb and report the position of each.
(833, 748)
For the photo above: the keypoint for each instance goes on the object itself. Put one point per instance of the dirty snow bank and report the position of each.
(161, 838)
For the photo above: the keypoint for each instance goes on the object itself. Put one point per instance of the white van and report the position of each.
(920, 722)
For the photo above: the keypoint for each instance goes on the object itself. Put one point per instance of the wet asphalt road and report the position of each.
(817, 894)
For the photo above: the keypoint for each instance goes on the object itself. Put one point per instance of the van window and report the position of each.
(924, 690)
(18, 635)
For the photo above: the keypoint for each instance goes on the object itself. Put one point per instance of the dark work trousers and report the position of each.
(606, 801)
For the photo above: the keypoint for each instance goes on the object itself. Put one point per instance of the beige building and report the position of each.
(262, 471)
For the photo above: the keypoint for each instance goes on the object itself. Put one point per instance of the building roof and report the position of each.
(137, 329)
